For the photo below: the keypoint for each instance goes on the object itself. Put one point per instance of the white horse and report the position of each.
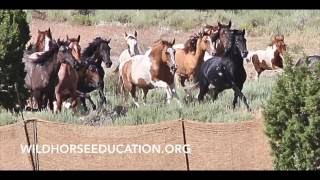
(155, 69)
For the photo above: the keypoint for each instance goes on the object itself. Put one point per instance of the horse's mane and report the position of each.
(46, 55)
(88, 51)
(191, 44)
(165, 42)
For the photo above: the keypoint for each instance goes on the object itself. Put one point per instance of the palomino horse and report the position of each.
(190, 58)
(152, 70)
(67, 75)
(269, 59)
(227, 71)
(41, 76)
(97, 51)
(126, 54)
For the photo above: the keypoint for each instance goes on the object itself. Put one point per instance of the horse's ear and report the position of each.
(39, 31)
(135, 34)
(229, 25)
(125, 34)
(78, 38)
(244, 31)
(49, 30)
(219, 24)
(174, 40)
(67, 38)
(109, 40)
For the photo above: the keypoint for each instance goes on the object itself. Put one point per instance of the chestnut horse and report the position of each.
(68, 76)
(269, 59)
(152, 70)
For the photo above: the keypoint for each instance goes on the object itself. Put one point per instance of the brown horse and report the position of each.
(152, 70)
(219, 37)
(68, 76)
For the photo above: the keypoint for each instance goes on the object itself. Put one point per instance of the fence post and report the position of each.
(185, 143)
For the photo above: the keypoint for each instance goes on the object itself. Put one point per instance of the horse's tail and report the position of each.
(120, 85)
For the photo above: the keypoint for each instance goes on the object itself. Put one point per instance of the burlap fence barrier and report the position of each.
(214, 146)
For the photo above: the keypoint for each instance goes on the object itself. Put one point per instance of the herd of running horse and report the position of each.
(211, 59)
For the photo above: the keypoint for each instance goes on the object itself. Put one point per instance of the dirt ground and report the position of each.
(146, 36)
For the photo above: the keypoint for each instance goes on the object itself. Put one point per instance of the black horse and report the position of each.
(92, 56)
(311, 61)
(227, 71)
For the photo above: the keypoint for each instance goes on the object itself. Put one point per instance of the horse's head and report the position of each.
(132, 43)
(92, 76)
(44, 40)
(65, 53)
(204, 43)
(220, 37)
(168, 54)
(74, 45)
(104, 52)
(237, 38)
(278, 42)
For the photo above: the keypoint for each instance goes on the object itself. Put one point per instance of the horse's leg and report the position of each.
(74, 102)
(145, 92)
(164, 85)
(83, 102)
(94, 107)
(175, 94)
(203, 90)
(58, 98)
(237, 92)
(38, 98)
(214, 94)
(133, 95)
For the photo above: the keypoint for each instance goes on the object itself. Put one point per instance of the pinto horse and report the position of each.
(270, 58)
(43, 43)
(97, 52)
(227, 71)
(152, 70)
(126, 54)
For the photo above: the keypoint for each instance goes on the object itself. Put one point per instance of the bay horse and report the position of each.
(152, 70)
(227, 71)
(132, 50)
(218, 37)
(42, 71)
(97, 52)
(269, 59)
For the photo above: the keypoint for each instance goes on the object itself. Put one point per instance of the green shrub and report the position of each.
(292, 118)
(14, 34)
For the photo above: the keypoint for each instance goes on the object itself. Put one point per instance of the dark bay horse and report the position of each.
(42, 70)
(227, 71)
(97, 52)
